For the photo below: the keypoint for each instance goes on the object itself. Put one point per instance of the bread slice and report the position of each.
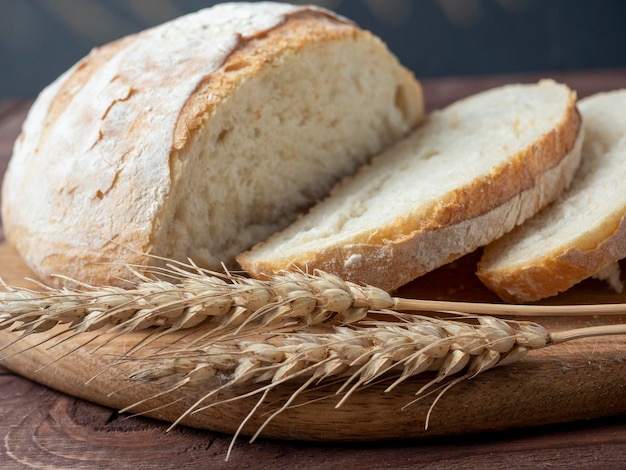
(199, 138)
(584, 231)
(467, 176)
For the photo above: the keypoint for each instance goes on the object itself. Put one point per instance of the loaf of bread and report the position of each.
(584, 232)
(199, 138)
(467, 176)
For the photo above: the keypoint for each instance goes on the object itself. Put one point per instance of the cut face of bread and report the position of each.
(199, 138)
(584, 231)
(467, 176)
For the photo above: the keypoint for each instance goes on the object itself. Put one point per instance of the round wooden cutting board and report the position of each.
(572, 381)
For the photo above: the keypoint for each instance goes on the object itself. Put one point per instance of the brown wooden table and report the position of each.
(41, 428)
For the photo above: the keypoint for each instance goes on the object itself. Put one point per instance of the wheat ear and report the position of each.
(363, 351)
(357, 354)
(196, 298)
(227, 300)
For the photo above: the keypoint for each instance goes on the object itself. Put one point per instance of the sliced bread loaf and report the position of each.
(584, 231)
(471, 173)
(199, 138)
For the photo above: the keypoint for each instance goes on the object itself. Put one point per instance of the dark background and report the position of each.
(39, 39)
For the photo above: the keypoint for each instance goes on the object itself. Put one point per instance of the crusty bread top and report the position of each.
(468, 160)
(584, 231)
(95, 175)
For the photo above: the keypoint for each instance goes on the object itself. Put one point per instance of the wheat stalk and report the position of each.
(363, 351)
(358, 355)
(226, 300)
(194, 299)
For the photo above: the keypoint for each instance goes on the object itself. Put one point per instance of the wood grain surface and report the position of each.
(42, 428)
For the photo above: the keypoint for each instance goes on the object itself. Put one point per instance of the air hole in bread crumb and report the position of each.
(222, 135)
